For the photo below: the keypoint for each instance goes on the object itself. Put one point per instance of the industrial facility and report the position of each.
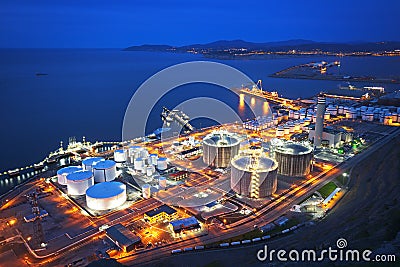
(293, 159)
(219, 148)
(106, 195)
(78, 182)
(62, 173)
(104, 171)
(254, 176)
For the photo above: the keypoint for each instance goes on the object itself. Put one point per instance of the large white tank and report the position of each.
(162, 182)
(105, 196)
(62, 173)
(132, 150)
(153, 159)
(149, 170)
(120, 155)
(88, 163)
(162, 164)
(144, 153)
(146, 191)
(78, 182)
(104, 171)
(138, 164)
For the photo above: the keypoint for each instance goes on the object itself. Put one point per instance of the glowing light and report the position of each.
(253, 101)
(12, 222)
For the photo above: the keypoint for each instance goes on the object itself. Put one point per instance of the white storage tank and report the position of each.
(394, 117)
(132, 150)
(146, 191)
(162, 182)
(153, 159)
(78, 182)
(340, 110)
(105, 196)
(104, 171)
(88, 163)
(162, 164)
(120, 155)
(138, 164)
(62, 173)
(149, 170)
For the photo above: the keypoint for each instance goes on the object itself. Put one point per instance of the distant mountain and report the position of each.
(281, 46)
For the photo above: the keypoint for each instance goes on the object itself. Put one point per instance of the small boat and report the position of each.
(41, 74)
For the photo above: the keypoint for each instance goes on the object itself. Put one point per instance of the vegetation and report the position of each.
(327, 189)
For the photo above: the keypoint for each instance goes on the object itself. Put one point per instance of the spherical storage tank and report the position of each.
(294, 159)
(62, 173)
(254, 176)
(88, 163)
(104, 171)
(120, 155)
(105, 196)
(78, 182)
(219, 148)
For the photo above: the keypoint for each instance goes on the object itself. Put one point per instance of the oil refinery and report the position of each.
(192, 191)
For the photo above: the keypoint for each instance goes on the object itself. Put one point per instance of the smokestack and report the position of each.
(319, 124)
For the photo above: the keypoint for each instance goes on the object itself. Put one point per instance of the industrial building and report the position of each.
(62, 173)
(106, 195)
(177, 176)
(180, 225)
(331, 137)
(78, 182)
(219, 148)
(253, 176)
(160, 214)
(122, 237)
(294, 159)
(104, 171)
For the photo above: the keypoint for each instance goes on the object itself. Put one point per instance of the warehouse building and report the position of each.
(122, 237)
(160, 214)
(190, 223)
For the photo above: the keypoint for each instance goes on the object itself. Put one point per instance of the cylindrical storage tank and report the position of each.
(296, 115)
(353, 114)
(132, 150)
(149, 170)
(88, 163)
(62, 173)
(340, 110)
(120, 155)
(146, 191)
(104, 171)
(219, 148)
(162, 182)
(78, 182)
(254, 177)
(144, 153)
(105, 196)
(162, 164)
(153, 159)
(138, 164)
(294, 159)
(291, 114)
(327, 116)
(280, 131)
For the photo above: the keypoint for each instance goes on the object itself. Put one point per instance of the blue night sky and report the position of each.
(109, 24)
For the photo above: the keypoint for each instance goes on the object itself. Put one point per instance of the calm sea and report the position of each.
(87, 91)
